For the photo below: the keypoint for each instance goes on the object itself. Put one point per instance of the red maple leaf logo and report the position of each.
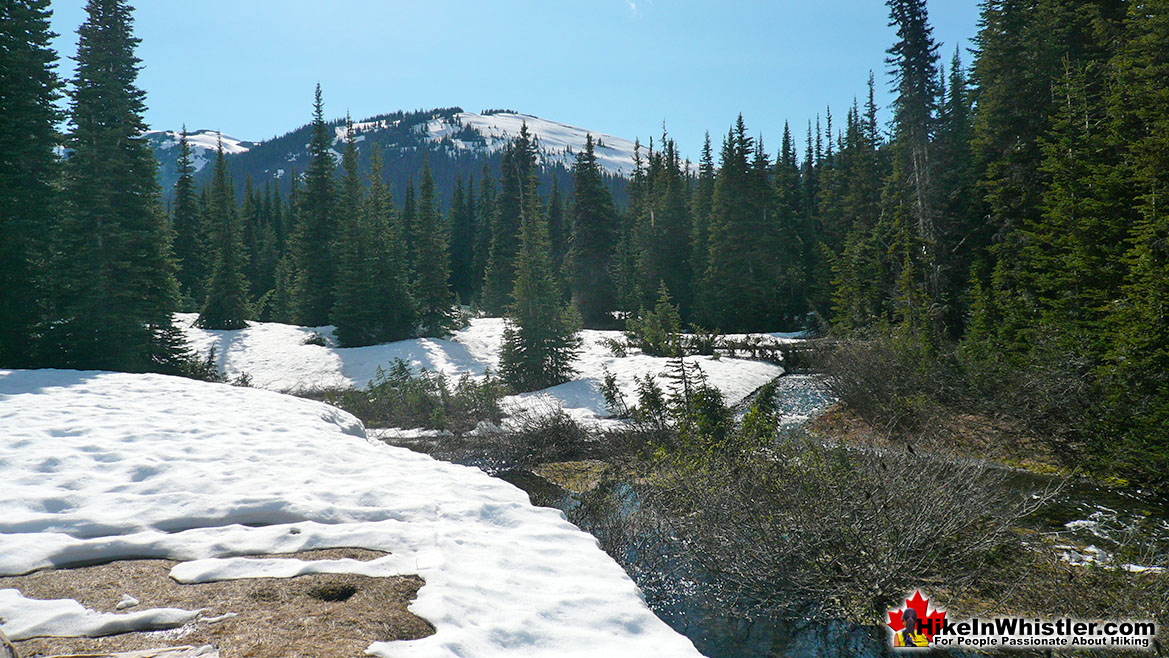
(931, 621)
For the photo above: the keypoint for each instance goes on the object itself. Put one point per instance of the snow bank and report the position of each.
(28, 618)
(100, 466)
(276, 358)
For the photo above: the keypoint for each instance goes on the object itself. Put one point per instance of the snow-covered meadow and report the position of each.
(106, 466)
(276, 358)
(101, 466)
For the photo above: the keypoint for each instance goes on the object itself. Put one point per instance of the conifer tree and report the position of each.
(795, 238)
(540, 341)
(115, 278)
(1015, 109)
(914, 63)
(267, 257)
(627, 279)
(435, 316)
(227, 304)
(316, 270)
(594, 236)
(956, 183)
(391, 278)
(355, 311)
(409, 225)
(662, 227)
(282, 306)
(279, 222)
(190, 233)
(739, 287)
(252, 224)
(518, 163)
(558, 226)
(28, 169)
(1072, 265)
(462, 241)
(1138, 360)
(484, 214)
(701, 206)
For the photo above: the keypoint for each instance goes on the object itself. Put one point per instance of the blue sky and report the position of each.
(248, 67)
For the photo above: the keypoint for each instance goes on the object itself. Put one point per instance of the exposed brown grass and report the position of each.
(579, 477)
(969, 435)
(318, 615)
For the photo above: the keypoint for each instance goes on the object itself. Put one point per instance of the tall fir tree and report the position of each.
(594, 237)
(436, 313)
(190, 233)
(283, 302)
(701, 205)
(115, 287)
(484, 215)
(541, 339)
(518, 163)
(1137, 369)
(739, 288)
(462, 241)
(316, 272)
(227, 305)
(28, 171)
(1072, 265)
(911, 201)
(355, 312)
(408, 222)
(955, 180)
(559, 227)
(252, 234)
(391, 278)
(662, 228)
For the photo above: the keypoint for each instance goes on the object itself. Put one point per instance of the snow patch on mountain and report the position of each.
(204, 144)
(556, 142)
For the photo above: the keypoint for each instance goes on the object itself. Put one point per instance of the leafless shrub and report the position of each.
(836, 530)
(907, 390)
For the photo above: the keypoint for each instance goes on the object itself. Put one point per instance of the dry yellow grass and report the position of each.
(318, 615)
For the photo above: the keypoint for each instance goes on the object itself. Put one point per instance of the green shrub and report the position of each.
(400, 397)
(657, 332)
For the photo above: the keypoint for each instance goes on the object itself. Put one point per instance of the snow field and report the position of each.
(101, 466)
(276, 358)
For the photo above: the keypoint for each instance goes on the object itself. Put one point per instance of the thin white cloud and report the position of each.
(636, 5)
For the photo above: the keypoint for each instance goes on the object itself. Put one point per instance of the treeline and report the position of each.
(1012, 225)
(1011, 216)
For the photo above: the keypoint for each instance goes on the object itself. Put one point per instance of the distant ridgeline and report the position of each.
(457, 144)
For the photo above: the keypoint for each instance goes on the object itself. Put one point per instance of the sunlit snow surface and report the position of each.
(276, 358)
(557, 142)
(204, 144)
(100, 466)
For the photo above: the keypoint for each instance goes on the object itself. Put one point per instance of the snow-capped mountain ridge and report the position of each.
(454, 140)
(556, 142)
(203, 143)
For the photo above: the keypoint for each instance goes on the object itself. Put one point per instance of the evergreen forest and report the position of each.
(1008, 226)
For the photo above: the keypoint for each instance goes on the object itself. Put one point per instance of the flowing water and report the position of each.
(1091, 524)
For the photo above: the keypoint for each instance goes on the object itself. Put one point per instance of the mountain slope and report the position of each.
(203, 146)
(455, 143)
